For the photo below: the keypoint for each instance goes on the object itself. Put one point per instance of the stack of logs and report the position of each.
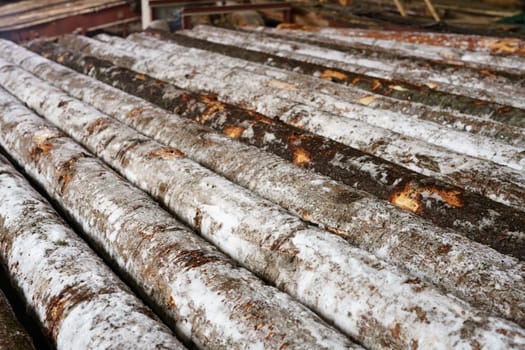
(266, 188)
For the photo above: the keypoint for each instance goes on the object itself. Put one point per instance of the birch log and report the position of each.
(484, 177)
(201, 293)
(435, 97)
(476, 83)
(77, 299)
(457, 111)
(12, 335)
(283, 183)
(320, 269)
(493, 45)
(261, 85)
(436, 53)
(406, 189)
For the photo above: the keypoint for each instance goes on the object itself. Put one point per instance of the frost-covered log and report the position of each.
(12, 335)
(299, 192)
(201, 293)
(320, 269)
(461, 112)
(263, 87)
(478, 84)
(76, 298)
(458, 209)
(371, 41)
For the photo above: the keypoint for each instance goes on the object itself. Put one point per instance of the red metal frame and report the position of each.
(82, 23)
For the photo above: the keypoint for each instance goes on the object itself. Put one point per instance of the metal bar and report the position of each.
(147, 15)
(86, 22)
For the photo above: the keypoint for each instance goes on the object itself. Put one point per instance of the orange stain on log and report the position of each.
(376, 85)
(411, 198)
(301, 157)
(233, 131)
(38, 150)
(135, 111)
(330, 75)
(167, 153)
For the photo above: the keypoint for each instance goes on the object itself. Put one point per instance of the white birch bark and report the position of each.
(76, 298)
(202, 294)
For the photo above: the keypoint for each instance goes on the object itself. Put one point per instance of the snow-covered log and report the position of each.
(320, 269)
(481, 84)
(265, 88)
(12, 335)
(76, 298)
(456, 111)
(405, 189)
(297, 191)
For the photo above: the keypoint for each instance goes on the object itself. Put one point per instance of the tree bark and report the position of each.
(380, 231)
(404, 188)
(474, 83)
(496, 46)
(484, 177)
(215, 214)
(374, 41)
(261, 86)
(202, 294)
(76, 298)
(499, 121)
(306, 262)
(12, 335)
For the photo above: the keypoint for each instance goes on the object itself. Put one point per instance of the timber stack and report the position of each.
(264, 188)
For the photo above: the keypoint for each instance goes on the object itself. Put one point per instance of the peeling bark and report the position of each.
(374, 219)
(201, 293)
(12, 335)
(417, 313)
(355, 76)
(381, 178)
(262, 85)
(76, 298)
